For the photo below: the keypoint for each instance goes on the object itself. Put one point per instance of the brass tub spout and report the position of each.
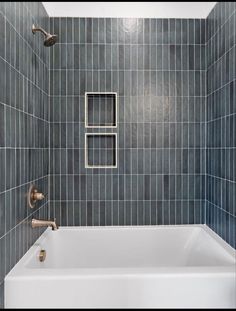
(44, 223)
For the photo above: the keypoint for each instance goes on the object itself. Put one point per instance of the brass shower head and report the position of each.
(49, 39)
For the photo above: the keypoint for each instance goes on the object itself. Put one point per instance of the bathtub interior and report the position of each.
(126, 247)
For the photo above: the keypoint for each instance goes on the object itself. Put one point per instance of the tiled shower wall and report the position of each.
(24, 127)
(221, 121)
(158, 69)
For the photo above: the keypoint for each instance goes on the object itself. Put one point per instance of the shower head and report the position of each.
(49, 39)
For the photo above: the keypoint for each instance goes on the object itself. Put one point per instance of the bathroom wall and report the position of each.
(221, 121)
(24, 127)
(158, 69)
(176, 147)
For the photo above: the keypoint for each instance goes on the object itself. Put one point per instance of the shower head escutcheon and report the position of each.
(49, 39)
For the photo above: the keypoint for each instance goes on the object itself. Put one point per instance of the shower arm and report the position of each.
(34, 29)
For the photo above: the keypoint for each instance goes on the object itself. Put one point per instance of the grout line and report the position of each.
(131, 44)
(22, 111)
(24, 184)
(219, 27)
(23, 76)
(49, 131)
(23, 39)
(123, 69)
(220, 208)
(219, 58)
(23, 220)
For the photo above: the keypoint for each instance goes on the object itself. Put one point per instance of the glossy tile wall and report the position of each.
(176, 150)
(221, 121)
(158, 69)
(24, 127)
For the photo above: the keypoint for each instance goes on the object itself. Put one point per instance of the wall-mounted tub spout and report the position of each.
(44, 223)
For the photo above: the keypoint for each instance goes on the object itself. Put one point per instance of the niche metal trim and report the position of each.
(86, 110)
(87, 165)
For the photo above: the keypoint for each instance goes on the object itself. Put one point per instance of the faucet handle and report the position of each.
(38, 196)
(33, 196)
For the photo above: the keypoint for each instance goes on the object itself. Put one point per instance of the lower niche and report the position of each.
(101, 150)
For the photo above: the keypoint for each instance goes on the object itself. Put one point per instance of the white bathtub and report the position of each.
(125, 267)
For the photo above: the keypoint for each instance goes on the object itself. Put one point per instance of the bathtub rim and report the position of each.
(22, 272)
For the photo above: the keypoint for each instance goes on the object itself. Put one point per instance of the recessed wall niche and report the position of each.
(100, 109)
(100, 150)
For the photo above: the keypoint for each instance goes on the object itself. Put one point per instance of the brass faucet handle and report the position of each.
(37, 196)
(33, 196)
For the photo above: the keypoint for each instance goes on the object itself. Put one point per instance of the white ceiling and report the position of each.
(130, 9)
